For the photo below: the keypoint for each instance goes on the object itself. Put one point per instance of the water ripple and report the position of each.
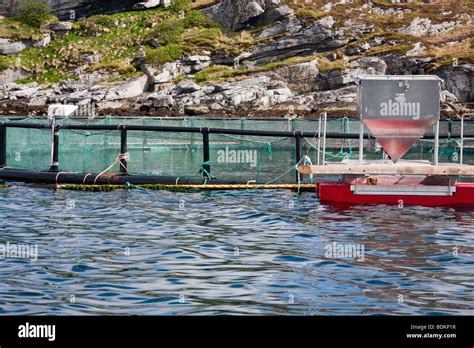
(155, 253)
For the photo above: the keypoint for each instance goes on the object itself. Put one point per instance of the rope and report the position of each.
(119, 159)
(203, 170)
(295, 167)
(255, 141)
(346, 129)
(57, 176)
(307, 161)
(85, 177)
(327, 153)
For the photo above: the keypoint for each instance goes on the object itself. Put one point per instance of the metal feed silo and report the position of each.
(398, 110)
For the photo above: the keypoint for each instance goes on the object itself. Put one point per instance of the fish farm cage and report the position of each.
(195, 152)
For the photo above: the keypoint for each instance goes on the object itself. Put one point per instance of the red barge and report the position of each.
(397, 111)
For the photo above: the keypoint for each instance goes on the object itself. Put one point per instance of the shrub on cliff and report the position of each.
(164, 54)
(171, 29)
(180, 5)
(168, 31)
(33, 13)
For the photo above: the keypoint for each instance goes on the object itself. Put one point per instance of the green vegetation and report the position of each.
(180, 5)
(33, 13)
(3, 64)
(309, 13)
(213, 73)
(116, 39)
(14, 30)
(164, 54)
(217, 72)
(389, 49)
(169, 31)
(177, 36)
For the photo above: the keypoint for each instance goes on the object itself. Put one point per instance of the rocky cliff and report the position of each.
(265, 57)
(74, 9)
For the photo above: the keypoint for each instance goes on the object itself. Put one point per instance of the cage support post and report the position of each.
(54, 148)
(3, 146)
(319, 141)
(123, 150)
(461, 150)
(206, 152)
(325, 125)
(298, 138)
(436, 145)
(361, 142)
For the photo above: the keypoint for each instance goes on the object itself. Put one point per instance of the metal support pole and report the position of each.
(54, 148)
(325, 123)
(3, 146)
(106, 135)
(206, 152)
(461, 150)
(298, 138)
(436, 146)
(123, 150)
(361, 142)
(319, 141)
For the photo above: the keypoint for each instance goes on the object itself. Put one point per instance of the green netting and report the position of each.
(28, 148)
(232, 157)
(163, 153)
(88, 151)
(247, 158)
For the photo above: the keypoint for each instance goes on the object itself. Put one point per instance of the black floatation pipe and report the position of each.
(49, 177)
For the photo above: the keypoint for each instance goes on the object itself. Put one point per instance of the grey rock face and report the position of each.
(289, 24)
(459, 80)
(59, 28)
(131, 89)
(164, 74)
(367, 66)
(161, 101)
(301, 78)
(9, 47)
(424, 26)
(304, 40)
(195, 63)
(235, 14)
(12, 75)
(196, 110)
(337, 97)
(187, 86)
(43, 42)
(148, 4)
(336, 79)
(13, 47)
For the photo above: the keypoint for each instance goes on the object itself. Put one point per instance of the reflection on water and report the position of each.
(154, 253)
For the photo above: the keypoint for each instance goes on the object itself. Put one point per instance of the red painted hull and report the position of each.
(340, 193)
